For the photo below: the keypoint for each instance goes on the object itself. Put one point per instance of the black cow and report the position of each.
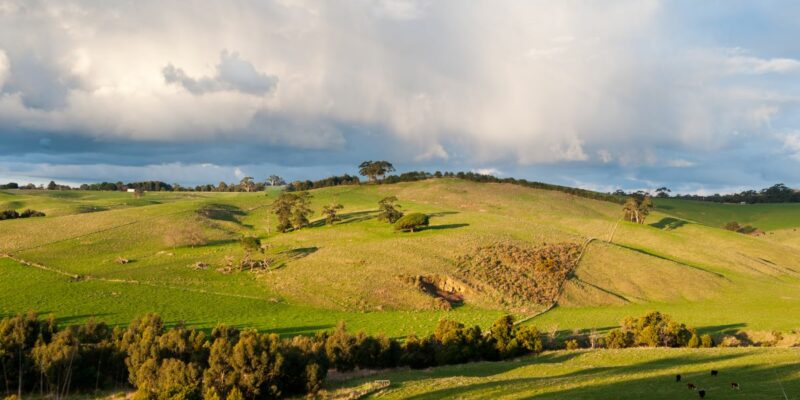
(734, 386)
(714, 372)
(691, 386)
(702, 393)
(678, 378)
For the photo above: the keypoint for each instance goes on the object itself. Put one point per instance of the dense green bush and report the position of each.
(411, 222)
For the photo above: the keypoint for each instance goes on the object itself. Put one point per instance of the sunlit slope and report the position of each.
(701, 273)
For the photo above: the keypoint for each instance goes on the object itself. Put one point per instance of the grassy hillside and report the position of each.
(766, 217)
(356, 270)
(606, 374)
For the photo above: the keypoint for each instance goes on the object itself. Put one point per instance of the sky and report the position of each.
(701, 97)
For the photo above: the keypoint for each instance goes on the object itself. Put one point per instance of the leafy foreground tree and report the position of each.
(411, 222)
(389, 210)
(330, 213)
(637, 208)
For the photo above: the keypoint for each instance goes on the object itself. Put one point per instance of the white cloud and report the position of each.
(488, 171)
(399, 9)
(527, 83)
(4, 68)
(233, 73)
(754, 65)
(681, 163)
(605, 156)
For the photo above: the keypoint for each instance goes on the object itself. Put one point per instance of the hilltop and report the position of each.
(360, 270)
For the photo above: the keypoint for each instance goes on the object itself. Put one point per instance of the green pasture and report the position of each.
(605, 374)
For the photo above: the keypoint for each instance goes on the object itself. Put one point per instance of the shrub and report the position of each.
(250, 243)
(572, 344)
(706, 341)
(733, 226)
(411, 222)
(694, 342)
(617, 339)
(730, 341)
(529, 339)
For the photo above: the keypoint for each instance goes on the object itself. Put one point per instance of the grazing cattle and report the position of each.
(734, 386)
(691, 386)
(702, 393)
(678, 378)
(714, 372)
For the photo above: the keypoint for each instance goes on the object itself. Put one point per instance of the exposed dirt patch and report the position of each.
(446, 291)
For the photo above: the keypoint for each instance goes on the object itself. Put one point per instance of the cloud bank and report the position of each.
(514, 85)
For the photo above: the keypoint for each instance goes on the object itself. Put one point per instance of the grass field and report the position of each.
(767, 217)
(606, 374)
(680, 262)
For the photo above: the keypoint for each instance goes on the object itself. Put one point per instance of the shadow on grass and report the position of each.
(299, 330)
(669, 223)
(86, 208)
(349, 218)
(728, 329)
(13, 205)
(284, 257)
(442, 213)
(659, 385)
(222, 212)
(445, 226)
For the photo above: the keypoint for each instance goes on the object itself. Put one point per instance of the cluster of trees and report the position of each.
(12, 214)
(655, 330)
(37, 356)
(327, 182)
(637, 208)
(778, 193)
(292, 210)
(246, 184)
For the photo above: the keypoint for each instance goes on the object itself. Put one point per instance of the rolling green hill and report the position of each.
(358, 270)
